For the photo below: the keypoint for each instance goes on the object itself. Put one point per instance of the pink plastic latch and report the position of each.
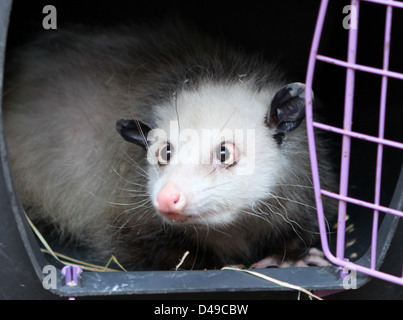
(71, 274)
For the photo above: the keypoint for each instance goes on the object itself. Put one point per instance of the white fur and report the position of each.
(213, 114)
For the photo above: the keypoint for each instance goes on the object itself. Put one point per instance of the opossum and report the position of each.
(147, 142)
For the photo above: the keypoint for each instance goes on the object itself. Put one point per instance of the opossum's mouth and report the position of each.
(179, 217)
(201, 218)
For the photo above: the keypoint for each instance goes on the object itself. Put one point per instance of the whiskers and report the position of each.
(133, 216)
(129, 201)
(284, 215)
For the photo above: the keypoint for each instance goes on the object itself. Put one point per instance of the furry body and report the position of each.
(74, 171)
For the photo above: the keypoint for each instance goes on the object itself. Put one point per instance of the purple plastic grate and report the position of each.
(347, 134)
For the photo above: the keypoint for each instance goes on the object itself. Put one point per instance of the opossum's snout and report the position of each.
(171, 202)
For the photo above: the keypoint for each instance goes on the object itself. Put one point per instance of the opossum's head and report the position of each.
(214, 151)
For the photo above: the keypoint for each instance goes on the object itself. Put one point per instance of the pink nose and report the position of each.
(170, 200)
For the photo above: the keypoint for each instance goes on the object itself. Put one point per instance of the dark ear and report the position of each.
(134, 131)
(287, 108)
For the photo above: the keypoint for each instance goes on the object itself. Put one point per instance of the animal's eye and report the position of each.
(226, 154)
(164, 154)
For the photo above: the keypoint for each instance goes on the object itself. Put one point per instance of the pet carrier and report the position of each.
(27, 273)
